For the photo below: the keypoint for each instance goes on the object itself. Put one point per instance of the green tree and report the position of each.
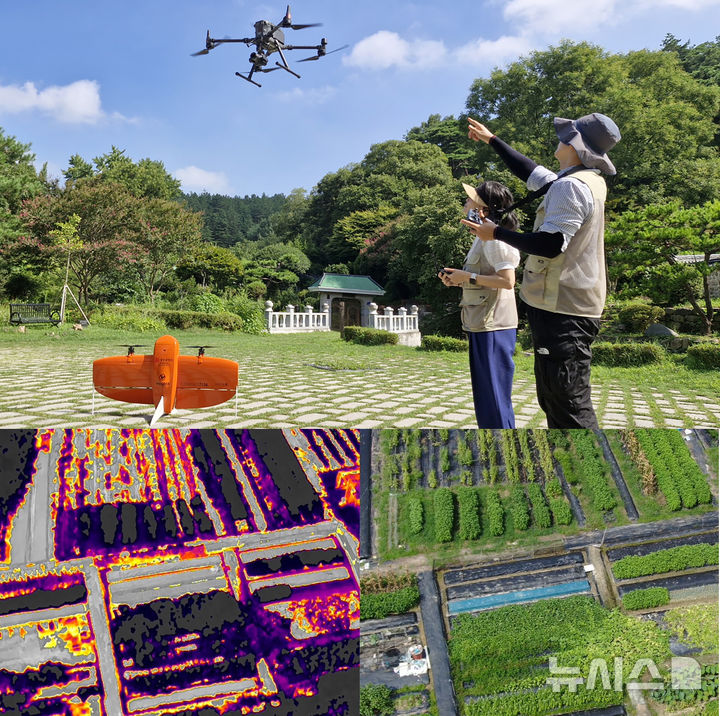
(146, 178)
(450, 134)
(18, 181)
(163, 233)
(211, 265)
(104, 233)
(645, 245)
(665, 116)
(279, 267)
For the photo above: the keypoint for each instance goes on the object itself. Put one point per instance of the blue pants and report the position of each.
(491, 373)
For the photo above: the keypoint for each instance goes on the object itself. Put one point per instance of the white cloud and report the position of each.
(199, 180)
(387, 49)
(76, 103)
(543, 16)
(316, 95)
(483, 51)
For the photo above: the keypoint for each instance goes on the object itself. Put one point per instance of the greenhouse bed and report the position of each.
(459, 576)
(517, 583)
(649, 547)
(682, 581)
(478, 604)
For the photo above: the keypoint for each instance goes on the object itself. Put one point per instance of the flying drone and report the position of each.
(270, 38)
(166, 379)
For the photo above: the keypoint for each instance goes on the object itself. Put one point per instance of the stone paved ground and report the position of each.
(41, 387)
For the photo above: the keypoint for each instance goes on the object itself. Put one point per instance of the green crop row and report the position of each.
(646, 598)
(444, 504)
(519, 508)
(507, 442)
(593, 469)
(528, 463)
(678, 475)
(673, 559)
(562, 514)
(540, 509)
(468, 513)
(495, 513)
(416, 515)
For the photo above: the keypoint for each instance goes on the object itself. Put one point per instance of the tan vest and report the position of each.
(486, 309)
(574, 282)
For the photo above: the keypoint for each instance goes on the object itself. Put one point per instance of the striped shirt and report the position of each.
(568, 203)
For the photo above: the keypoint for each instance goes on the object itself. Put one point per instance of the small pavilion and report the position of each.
(349, 297)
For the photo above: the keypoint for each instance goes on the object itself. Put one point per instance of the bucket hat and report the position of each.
(592, 136)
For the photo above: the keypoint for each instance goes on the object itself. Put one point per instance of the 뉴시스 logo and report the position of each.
(685, 674)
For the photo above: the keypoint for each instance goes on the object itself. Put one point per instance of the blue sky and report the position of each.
(81, 75)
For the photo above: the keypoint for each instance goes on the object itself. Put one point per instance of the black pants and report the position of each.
(562, 367)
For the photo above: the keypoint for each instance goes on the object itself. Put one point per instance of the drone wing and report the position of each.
(203, 382)
(125, 378)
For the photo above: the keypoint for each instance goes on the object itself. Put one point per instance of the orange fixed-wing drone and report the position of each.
(166, 379)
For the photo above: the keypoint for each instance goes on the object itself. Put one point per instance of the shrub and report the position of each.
(468, 513)
(673, 559)
(627, 355)
(415, 515)
(704, 356)
(646, 598)
(368, 336)
(128, 319)
(638, 316)
(495, 513)
(206, 302)
(432, 479)
(444, 503)
(251, 312)
(443, 343)
(197, 319)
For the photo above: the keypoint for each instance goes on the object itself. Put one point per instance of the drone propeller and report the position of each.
(131, 347)
(287, 22)
(322, 53)
(209, 45)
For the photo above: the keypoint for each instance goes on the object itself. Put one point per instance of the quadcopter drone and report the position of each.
(270, 38)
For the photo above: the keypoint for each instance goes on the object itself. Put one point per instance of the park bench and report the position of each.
(33, 313)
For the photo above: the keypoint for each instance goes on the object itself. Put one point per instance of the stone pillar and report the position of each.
(402, 319)
(414, 324)
(326, 312)
(290, 309)
(308, 318)
(372, 322)
(269, 315)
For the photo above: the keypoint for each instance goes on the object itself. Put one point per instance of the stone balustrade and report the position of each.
(292, 321)
(388, 320)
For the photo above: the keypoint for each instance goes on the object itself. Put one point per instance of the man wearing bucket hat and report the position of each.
(564, 281)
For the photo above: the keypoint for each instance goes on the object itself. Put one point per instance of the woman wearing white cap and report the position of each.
(489, 313)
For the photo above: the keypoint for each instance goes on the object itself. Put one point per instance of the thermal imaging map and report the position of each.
(190, 572)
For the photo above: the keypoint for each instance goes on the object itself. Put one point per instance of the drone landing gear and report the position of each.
(251, 81)
(285, 67)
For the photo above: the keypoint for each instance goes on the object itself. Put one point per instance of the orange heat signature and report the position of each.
(74, 632)
(320, 614)
(79, 709)
(349, 481)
